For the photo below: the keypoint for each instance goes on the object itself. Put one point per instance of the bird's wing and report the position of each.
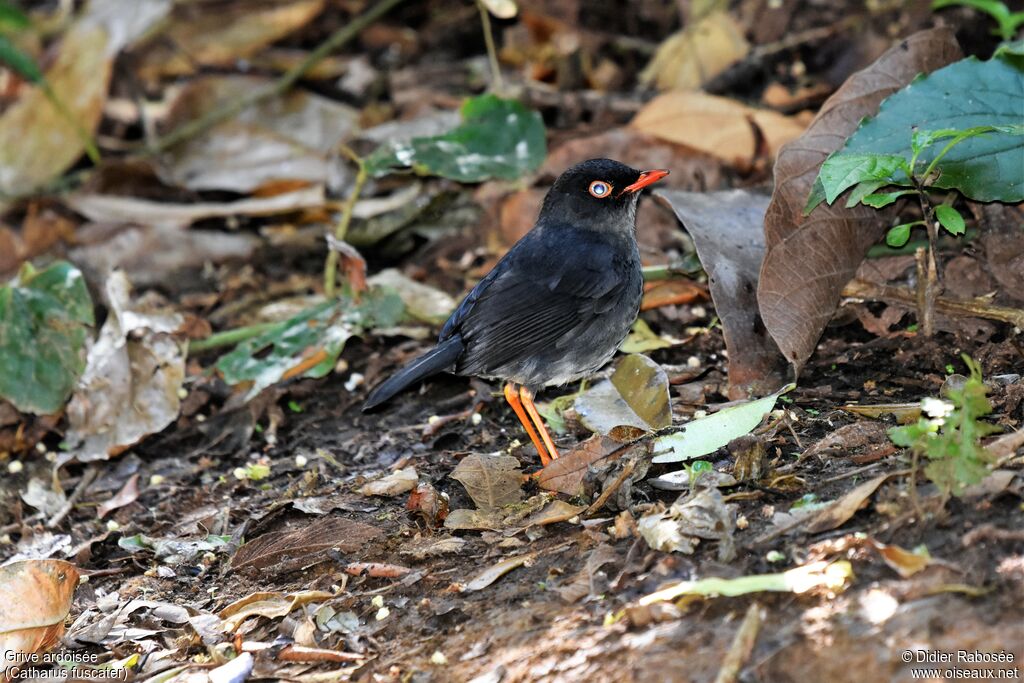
(549, 285)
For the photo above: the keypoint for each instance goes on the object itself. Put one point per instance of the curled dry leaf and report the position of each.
(565, 474)
(492, 481)
(809, 258)
(728, 231)
(498, 570)
(138, 360)
(35, 597)
(703, 515)
(267, 605)
(842, 509)
(688, 59)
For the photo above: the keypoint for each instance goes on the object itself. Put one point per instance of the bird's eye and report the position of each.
(600, 189)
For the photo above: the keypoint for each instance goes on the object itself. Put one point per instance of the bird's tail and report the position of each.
(441, 357)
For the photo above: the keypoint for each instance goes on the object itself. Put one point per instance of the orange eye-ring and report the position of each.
(600, 189)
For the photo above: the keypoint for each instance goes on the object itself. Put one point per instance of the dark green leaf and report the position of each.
(962, 98)
(898, 236)
(19, 62)
(950, 219)
(318, 333)
(12, 18)
(44, 319)
(497, 138)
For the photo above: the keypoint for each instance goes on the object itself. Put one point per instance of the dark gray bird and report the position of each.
(556, 307)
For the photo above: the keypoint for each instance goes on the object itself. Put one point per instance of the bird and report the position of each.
(556, 306)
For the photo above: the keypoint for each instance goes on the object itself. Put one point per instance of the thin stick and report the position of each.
(975, 308)
(627, 470)
(286, 81)
(87, 478)
(742, 645)
(492, 52)
(341, 229)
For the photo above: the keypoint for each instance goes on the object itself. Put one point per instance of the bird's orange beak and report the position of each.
(646, 178)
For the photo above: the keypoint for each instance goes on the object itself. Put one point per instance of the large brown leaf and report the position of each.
(35, 597)
(810, 258)
(727, 228)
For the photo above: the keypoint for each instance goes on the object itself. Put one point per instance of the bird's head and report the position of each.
(599, 194)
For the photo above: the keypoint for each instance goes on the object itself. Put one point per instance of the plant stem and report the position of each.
(228, 337)
(286, 81)
(341, 229)
(86, 138)
(492, 53)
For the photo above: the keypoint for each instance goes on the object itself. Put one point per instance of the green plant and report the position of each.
(950, 435)
(1008, 21)
(959, 129)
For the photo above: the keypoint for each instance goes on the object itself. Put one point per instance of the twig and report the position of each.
(341, 229)
(492, 52)
(975, 308)
(627, 470)
(87, 478)
(282, 84)
(742, 645)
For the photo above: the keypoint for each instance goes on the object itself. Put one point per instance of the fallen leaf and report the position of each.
(718, 126)
(707, 434)
(282, 551)
(841, 510)
(117, 209)
(728, 231)
(292, 137)
(138, 360)
(635, 396)
(905, 413)
(671, 292)
(394, 484)
(266, 605)
(422, 302)
(642, 339)
(35, 598)
(810, 258)
(498, 570)
(128, 494)
(585, 582)
(220, 35)
(556, 511)
(904, 562)
(496, 519)
(492, 481)
(40, 496)
(565, 474)
(689, 58)
(702, 515)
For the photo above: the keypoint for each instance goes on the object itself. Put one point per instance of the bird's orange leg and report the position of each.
(512, 396)
(527, 398)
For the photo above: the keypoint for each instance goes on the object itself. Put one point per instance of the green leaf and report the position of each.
(950, 219)
(19, 62)
(877, 201)
(899, 235)
(841, 171)
(44, 320)
(1008, 22)
(970, 97)
(497, 138)
(707, 434)
(317, 334)
(12, 18)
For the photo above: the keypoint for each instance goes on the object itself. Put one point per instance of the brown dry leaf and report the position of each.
(691, 57)
(37, 143)
(565, 475)
(727, 230)
(842, 509)
(715, 125)
(127, 495)
(496, 519)
(218, 34)
(847, 438)
(585, 582)
(680, 528)
(904, 562)
(268, 605)
(498, 570)
(394, 484)
(35, 597)
(810, 258)
(492, 481)
(635, 396)
(138, 361)
(672, 293)
(557, 511)
(282, 551)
